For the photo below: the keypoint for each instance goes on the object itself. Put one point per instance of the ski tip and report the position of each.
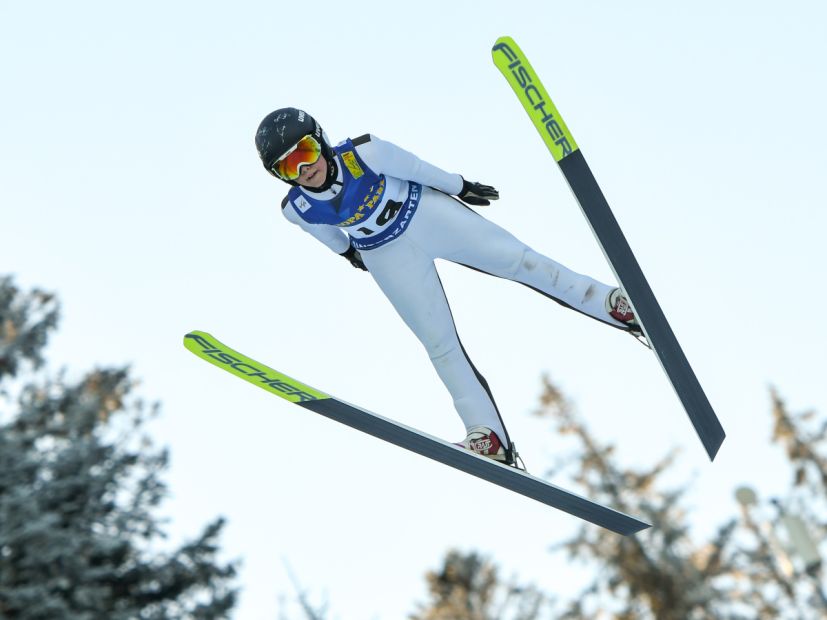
(211, 350)
(503, 40)
(196, 337)
(505, 49)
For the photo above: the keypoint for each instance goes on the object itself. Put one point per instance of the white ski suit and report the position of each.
(399, 213)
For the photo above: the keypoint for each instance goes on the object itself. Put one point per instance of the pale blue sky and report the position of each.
(129, 184)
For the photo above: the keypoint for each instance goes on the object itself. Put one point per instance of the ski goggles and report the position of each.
(304, 153)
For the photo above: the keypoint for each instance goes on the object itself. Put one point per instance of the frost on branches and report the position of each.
(79, 486)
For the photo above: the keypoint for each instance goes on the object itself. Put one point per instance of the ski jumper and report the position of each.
(397, 210)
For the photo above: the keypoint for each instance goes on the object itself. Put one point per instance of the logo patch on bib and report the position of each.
(350, 161)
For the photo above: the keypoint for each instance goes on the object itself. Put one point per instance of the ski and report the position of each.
(515, 67)
(208, 348)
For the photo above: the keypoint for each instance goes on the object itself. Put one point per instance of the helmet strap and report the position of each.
(332, 173)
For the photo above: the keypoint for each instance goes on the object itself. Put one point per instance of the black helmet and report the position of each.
(281, 130)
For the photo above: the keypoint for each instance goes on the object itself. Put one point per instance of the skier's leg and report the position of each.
(450, 230)
(408, 278)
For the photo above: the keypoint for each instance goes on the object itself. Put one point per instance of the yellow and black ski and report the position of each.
(208, 348)
(513, 64)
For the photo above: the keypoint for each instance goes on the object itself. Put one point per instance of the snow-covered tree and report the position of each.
(80, 483)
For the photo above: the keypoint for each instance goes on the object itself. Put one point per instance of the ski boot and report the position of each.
(485, 442)
(620, 309)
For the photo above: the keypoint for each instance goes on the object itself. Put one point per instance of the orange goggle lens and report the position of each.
(305, 153)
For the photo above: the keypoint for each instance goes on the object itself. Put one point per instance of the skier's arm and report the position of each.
(387, 158)
(332, 236)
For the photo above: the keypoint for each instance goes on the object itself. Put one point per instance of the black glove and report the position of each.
(352, 254)
(477, 194)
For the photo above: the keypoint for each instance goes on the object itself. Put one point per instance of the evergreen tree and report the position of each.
(663, 573)
(777, 562)
(468, 587)
(659, 573)
(79, 485)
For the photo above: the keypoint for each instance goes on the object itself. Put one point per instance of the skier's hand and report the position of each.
(477, 194)
(352, 254)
